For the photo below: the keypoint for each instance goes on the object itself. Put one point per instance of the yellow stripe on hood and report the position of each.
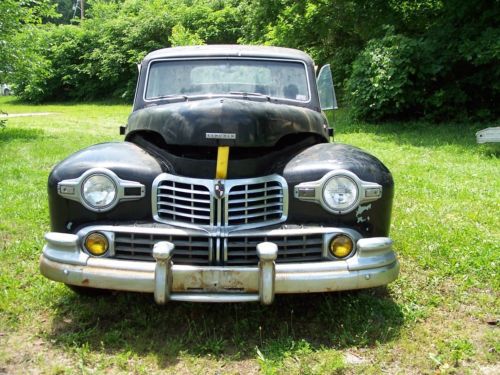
(222, 162)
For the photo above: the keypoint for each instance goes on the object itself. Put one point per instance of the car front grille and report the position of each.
(245, 203)
(292, 248)
(255, 203)
(195, 250)
(184, 202)
(233, 251)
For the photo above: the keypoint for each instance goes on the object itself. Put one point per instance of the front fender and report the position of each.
(127, 160)
(372, 219)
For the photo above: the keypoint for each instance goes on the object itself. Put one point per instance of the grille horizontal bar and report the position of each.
(255, 203)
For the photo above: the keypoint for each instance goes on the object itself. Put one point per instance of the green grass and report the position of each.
(434, 318)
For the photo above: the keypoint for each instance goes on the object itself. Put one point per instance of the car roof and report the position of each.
(229, 50)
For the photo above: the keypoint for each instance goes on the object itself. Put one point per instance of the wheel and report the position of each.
(86, 291)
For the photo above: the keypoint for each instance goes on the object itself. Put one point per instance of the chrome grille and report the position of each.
(184, 202)
(194, 250)
(247, 203)
(254, 203)
(293, 248)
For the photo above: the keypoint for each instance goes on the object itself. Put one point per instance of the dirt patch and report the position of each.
(27, 114)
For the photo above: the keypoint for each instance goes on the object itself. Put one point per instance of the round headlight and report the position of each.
(340, 194)
(341, 246)
(96, 244)
(99, 191)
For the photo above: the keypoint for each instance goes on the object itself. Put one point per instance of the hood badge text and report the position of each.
(220, 135)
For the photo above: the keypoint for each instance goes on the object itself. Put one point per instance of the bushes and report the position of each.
(391, 59)
(451, 71)
(97, 59)
(383, 79)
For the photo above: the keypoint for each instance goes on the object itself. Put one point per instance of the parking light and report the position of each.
(96, 244)
(341, 246)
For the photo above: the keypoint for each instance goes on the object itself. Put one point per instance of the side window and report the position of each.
(326, 90)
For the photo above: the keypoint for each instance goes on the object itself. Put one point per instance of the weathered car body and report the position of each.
(226, 188)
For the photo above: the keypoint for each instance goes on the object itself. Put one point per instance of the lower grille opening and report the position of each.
(188, 249)
(236, 251)
(306, 248)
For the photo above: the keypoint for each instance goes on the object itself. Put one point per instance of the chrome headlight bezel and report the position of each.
(340, 209)
(124, 190)
(86, 199)
(313, 191)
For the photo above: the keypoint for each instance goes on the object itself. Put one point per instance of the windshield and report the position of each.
(277, 79)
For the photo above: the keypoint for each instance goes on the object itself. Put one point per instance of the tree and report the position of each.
(16, 16)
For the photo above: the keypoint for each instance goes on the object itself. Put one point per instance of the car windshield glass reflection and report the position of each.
(255, 78)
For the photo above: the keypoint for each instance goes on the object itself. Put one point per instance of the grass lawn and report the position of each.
(441, 315)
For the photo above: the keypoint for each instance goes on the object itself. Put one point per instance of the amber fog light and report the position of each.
(341, 246)
(96, 244)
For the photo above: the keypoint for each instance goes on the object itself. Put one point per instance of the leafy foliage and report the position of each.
(182, 37)
(383, 77)
(3, 121)
(390, 59)
(15, 17)
(451, 71)
(98, 58)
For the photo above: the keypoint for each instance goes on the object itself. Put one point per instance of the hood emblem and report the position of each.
(219, 189)
(220, 135)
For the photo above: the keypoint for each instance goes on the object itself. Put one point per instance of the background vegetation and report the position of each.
(392, 59)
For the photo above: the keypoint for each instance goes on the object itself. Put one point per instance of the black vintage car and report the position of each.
(226, 188)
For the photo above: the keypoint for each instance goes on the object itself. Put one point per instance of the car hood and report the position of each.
(226, 122)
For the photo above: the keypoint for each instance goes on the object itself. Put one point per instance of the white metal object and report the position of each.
(488, 135)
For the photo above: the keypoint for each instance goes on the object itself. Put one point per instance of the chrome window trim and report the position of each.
(146, 80)
(317, 188)
(73, 189)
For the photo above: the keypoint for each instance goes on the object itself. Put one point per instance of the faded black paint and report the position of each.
(314, 162)
(127, 160)
(254, 124)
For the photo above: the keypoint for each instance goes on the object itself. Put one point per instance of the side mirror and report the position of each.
(326, 90)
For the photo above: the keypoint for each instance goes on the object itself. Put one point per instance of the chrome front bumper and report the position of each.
(374, 264)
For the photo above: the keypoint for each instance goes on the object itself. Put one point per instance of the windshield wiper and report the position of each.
(244, 93)
(171, 96)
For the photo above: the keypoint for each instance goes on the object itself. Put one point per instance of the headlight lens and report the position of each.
(341, 246)
(340, 193)
(96, 244)
(99, 191)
